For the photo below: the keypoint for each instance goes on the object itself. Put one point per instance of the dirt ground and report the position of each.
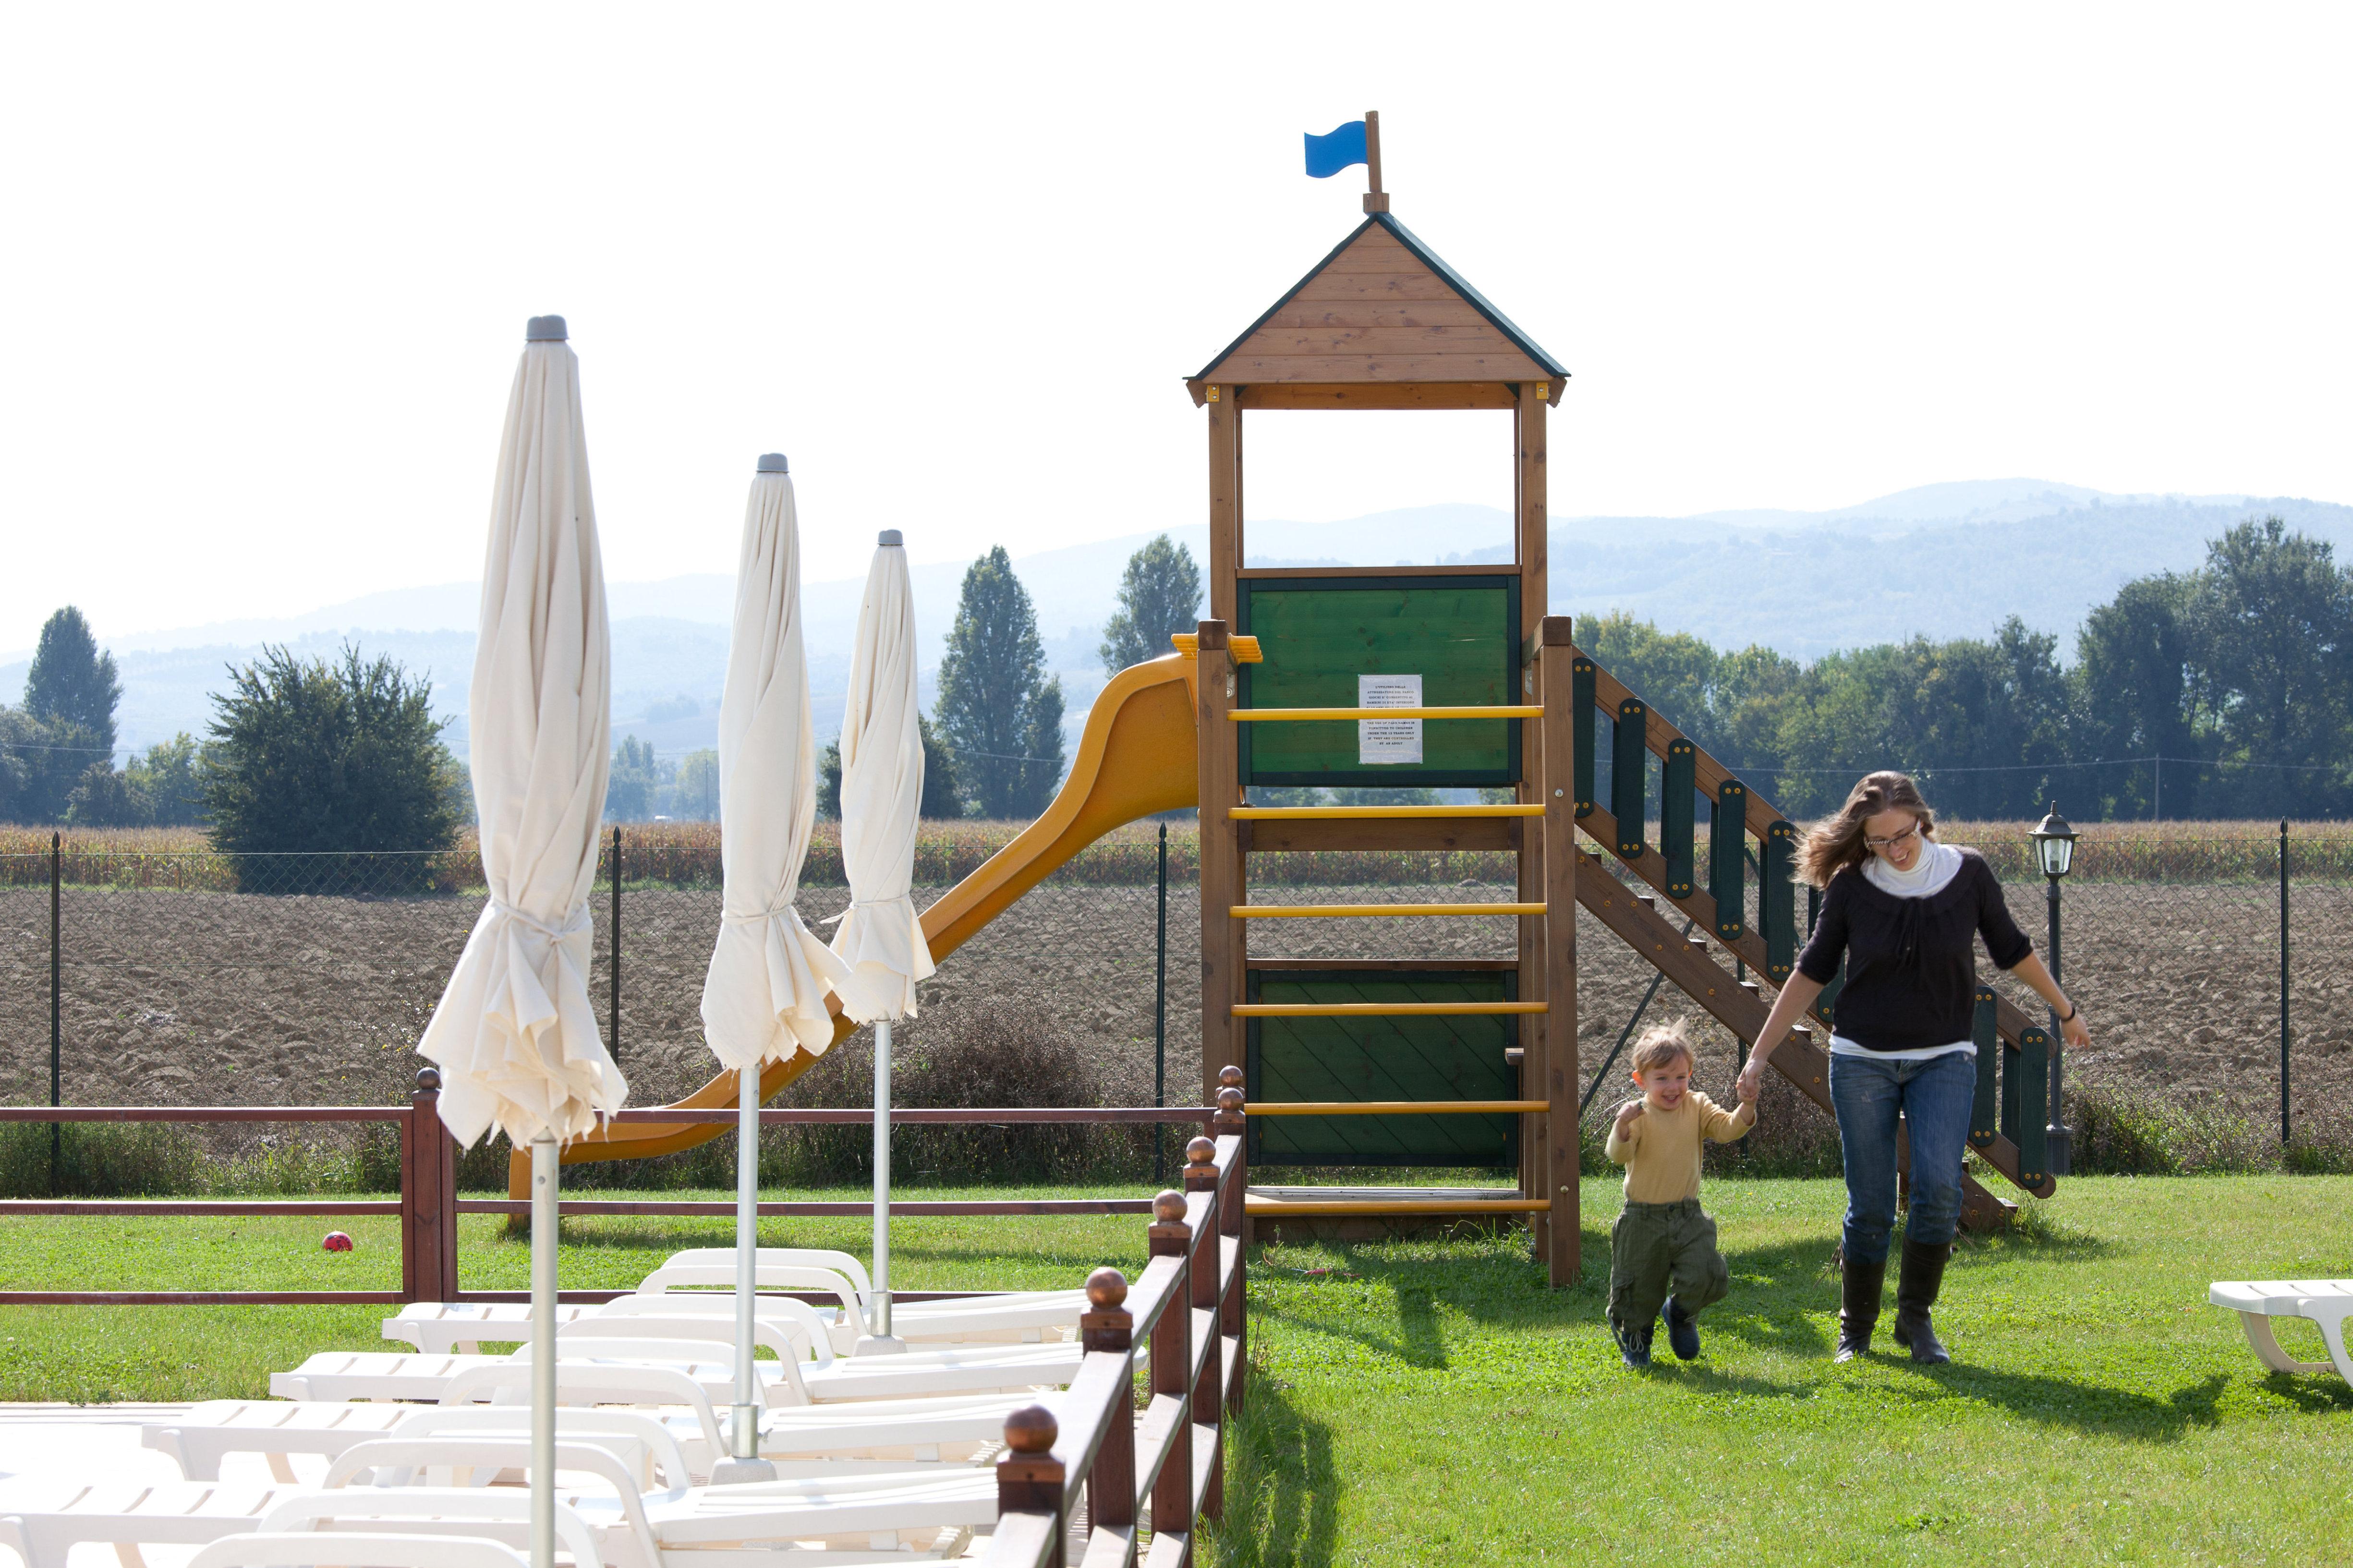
(198, 998)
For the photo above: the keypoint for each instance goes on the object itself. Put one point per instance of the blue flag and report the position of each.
(1327, 155)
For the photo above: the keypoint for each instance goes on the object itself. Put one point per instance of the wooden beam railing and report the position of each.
(1167, 1464)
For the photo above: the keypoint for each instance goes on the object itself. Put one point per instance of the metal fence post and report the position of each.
(56, 1002)
(615, 1010)
(1160, 1022)
(2283, 1004)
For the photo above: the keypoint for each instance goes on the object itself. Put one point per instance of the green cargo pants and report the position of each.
(1661, 1249)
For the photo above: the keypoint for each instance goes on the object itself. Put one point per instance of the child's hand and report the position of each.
(1746, 1087)
(1629, 1115)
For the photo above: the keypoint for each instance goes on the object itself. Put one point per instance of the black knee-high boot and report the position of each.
(1859, 1307)
(1916, 1284)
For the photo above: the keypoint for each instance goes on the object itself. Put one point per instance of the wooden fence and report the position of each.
(1165, 1463)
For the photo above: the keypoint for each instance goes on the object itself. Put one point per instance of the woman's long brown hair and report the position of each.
(1835, 842)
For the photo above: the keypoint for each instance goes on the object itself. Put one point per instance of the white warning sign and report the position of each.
(1382, 741)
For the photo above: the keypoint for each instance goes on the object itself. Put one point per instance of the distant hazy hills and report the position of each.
(1946, 560)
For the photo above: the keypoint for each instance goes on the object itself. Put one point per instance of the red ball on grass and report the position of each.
(336, 1242)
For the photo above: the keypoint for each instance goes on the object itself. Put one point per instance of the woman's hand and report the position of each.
(2071, 1030)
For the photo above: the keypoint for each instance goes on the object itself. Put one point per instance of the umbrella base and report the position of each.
(870, 1344)
(733, 1472)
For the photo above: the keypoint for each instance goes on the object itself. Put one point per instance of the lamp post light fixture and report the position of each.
(2055, 857)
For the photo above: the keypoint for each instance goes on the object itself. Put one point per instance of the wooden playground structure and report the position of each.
(1423, 1063)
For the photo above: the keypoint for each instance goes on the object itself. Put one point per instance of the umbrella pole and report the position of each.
(878, 1339)
(743, 1462)
(542, 1351)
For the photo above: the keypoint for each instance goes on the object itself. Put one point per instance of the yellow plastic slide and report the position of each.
(1136, 757)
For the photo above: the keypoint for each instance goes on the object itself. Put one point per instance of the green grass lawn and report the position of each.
(1435, 1394)
(1433, 1401)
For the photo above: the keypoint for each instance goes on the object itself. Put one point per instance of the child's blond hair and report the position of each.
(1661, 1044)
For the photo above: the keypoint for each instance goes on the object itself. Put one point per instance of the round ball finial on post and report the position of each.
(1031, 1430)
(1230, 1077)
(1169, 1206)
(1201, 1151)
(1107, 1289)
(428, 1080)
(1230, 1101)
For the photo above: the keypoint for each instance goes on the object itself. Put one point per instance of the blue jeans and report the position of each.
(1935, 1097)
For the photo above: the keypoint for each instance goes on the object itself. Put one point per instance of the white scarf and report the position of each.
(1932, 869)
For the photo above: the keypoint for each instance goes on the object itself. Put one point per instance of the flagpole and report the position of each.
(1377, 200)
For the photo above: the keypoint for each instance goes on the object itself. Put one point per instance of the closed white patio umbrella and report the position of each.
(880, 944)
(763, 995)
(515, 1035)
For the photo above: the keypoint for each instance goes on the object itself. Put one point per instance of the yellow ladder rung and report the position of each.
(1324, 715)
(1346, 812)
(1377, 1009)
(1304, 912)
(1398, 1107)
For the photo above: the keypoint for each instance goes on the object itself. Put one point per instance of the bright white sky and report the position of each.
(265, 271)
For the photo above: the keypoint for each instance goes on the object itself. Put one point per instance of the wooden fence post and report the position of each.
(1208, 1406)
(428, 1197)
(1233, 1220)
(1029, 1480)
(1107, 1325)
(1172, 1361)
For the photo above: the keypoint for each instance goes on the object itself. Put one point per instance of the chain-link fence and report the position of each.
(301, 980)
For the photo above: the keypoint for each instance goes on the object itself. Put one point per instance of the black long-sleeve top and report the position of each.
(1911, 963)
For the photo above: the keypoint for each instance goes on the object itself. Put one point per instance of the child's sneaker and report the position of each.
(1683, 1330)
(1634, 1344)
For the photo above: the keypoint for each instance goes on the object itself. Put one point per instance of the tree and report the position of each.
(70, 694)
(999, 713)
(696, 797)
(20, 757)
(341, 759)
(104, 798)
(2272, 634)
(71, 683)
(1159, 594)
(635, 782)
(2133, 696)
(169, 776)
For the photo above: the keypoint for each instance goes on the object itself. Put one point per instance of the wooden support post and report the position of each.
(1531, 521)
(1224, 950)
(1562, 1072)
(1209, 1387)
(1225, 411)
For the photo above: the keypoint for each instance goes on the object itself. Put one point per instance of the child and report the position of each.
(1662, 1239)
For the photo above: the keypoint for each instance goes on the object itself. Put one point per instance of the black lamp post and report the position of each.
(2055, 857)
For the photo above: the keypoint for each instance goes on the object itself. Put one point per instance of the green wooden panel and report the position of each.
(1414, 1058)
(1678, 814)
(1583, 730)
(1776, 902)
(1727, 858)
(1629, 763)
(1985, 1030)
(2010, 1091)
(2033, 1063)
(1460, 635)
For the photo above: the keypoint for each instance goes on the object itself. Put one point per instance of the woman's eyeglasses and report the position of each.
(1911, 832)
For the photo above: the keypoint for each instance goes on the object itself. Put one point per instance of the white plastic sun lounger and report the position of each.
(378, 1375)
(368, 1550)
(638, 1529)
(435, 1514)
(279, 1429)
(2326, 1302)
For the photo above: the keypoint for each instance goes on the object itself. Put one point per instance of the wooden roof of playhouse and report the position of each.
(1382, 311)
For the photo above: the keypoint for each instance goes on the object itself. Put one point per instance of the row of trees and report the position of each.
(57, 751)
(2225, 691)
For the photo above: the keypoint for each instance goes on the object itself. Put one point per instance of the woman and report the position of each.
(1904, 913)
